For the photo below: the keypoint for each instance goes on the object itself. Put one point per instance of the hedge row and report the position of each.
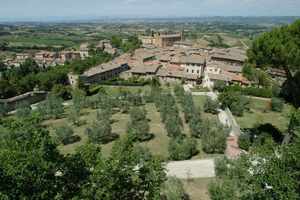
(251, 91)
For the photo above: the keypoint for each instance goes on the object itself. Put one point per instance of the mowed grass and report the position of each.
(260, 113)
(197, 188)
(158, 145)
(199, 103)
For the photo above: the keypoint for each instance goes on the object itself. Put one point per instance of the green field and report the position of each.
(260, 113)
(198, 188)
(158, 145)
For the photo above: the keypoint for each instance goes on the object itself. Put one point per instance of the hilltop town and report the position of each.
(159, 110)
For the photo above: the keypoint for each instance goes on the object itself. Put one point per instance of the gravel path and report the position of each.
(191, 169)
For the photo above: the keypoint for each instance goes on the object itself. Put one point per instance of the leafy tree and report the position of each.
(62, 91)
(104, 114)
(293, 127)
(29, 149)
(235, 101)
(100, 132)
(3, 45)
(279, 49)
(222, 191)
(179, 92)
(214, 139)
(219, 85)
(138, 127)
(182, 148)
(268, 171)
(52, 107)
(64, 134)
(211, 106)
(173, 189)
(23, 110)
(134, 176)
(173, 126)
(277, 104)
(250, 72)
(196, 124)
(116, 41)
(78, 99)
(74, 116)
(155, 82)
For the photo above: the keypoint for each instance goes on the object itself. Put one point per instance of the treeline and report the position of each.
(29, 75)
(266, 92)
(270, 169)
(212, 134)
(129, 172)
(18, 80)
(97, 58)
(280, 48)
(128, 45)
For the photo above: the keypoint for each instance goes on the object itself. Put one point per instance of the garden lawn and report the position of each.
(199, 102)
(260, 113)
(197, 189)
(158, 145)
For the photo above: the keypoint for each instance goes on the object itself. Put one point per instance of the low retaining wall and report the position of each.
(27, 98)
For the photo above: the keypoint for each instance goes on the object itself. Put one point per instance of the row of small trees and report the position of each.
(211, 133)
(138, 126)
(129, 172)
(180, 146)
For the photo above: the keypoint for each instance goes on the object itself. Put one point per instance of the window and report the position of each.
(197, 71)
(192, 71)
(187, 70)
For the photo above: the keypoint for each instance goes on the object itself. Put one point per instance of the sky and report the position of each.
(43, 9)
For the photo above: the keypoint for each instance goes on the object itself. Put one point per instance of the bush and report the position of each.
(250, 91)
(211, 106)
(221, 166)
(62, 91)
(196, 125)
(23, 110)
(235, 101)
(52, 108)
(100, 132)
(138, 127)
(219, 85)
(64, 134)
(222, 190)
(182, 148)
(245, 142)
(173, 190)
(277, 104)
(214, 139)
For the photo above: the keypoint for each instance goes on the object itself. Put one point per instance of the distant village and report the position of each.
(166, 56)
(171, 59)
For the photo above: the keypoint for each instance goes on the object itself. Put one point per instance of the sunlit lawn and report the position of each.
(260, 113)
(198, 188)
(158, 145)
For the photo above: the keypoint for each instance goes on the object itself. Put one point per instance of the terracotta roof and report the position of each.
(144, 69)
(116, 63)
(188, 59)
(220, 77)
(225, 67)
(164, 72)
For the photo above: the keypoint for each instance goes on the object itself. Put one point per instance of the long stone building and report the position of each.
(161, 40)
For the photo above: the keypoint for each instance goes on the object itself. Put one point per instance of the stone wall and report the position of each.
(27, 98)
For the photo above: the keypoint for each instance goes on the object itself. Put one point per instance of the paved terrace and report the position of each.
(191, 169)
